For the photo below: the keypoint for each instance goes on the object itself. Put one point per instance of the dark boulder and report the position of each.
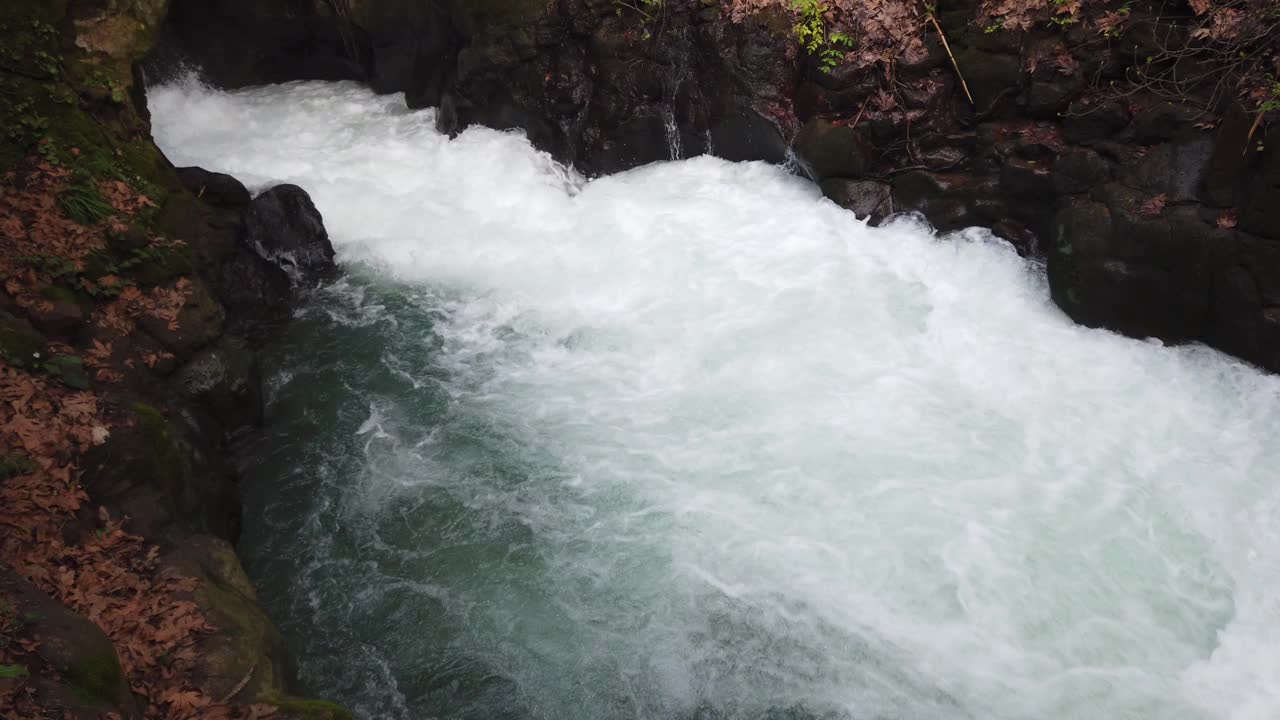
(236, 43)
(283, 226)
(1027, 180)
(866, 198)
(87, 680)
(1086, 122)
(951, 201)
(833, 150)
(991, 78)
(1230, 157)
(216, 189)
(199, 322)
(1080, 170)
(1161, 121)
(257, 293)
(1260, 207)
(224, 379)
(1175, 170)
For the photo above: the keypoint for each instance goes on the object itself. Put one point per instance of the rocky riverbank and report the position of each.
(137, 293)
(1153, 203)
(135, 297)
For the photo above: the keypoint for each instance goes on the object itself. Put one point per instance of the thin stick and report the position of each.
(954, 64)
(1257, 121)
(859, 117)
(239, 686)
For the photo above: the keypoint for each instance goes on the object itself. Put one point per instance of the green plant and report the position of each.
(1272, 102)
(55, 266)
(10, 672)
(15, 464)
(84, 204)
(649, 11)
(811, 29)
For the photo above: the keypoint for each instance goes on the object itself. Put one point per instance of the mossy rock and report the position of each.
(199, 323)
(70, 370)
(20, 344)
(90, 679)
(144, 470)
(169, 461)
(96, 678)
(305, 709)
(162, 265)
(246, 648)
(16, 464)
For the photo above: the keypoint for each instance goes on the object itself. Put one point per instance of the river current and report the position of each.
(691, 441)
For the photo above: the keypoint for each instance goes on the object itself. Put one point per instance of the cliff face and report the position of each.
(1156, 219)
(128, 317)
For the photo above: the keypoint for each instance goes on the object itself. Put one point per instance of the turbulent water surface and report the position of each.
(692, 442)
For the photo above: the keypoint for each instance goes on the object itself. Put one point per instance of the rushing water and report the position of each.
(692, 442)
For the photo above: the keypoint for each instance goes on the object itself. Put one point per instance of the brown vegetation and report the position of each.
(50, 533)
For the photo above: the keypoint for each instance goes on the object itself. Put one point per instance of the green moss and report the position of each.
(302, 709)
(70, 370)
(168, 463)
(10, 672)
(162, 266)
(15, 464)
(96, 679)
(20, 344)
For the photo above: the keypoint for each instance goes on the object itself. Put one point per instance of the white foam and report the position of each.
(797, 459)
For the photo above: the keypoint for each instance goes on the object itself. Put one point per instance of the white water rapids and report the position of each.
(691, 441)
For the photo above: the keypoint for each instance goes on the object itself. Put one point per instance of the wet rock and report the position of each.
(1229, 158)
(247, 646)
(1027, 179)
(951, 201)
(1245, 312)
(991, 78)
(743, 134)
(1023, 239)
(225, 379)
(1082, 229)
(1260, 213)
(284, 227)
(1079, 170)
(869, 199)
(237, 43)
(1175, 170)
(256, 293)
(1112, 265)
(1137, 299)
(1085, 123)
(831, 150)
(1049, 98)
(199, 322)
(410, 43)
(1162, 121)
(217, 189)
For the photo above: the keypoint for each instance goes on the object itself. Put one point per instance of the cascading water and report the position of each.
(692, 442)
